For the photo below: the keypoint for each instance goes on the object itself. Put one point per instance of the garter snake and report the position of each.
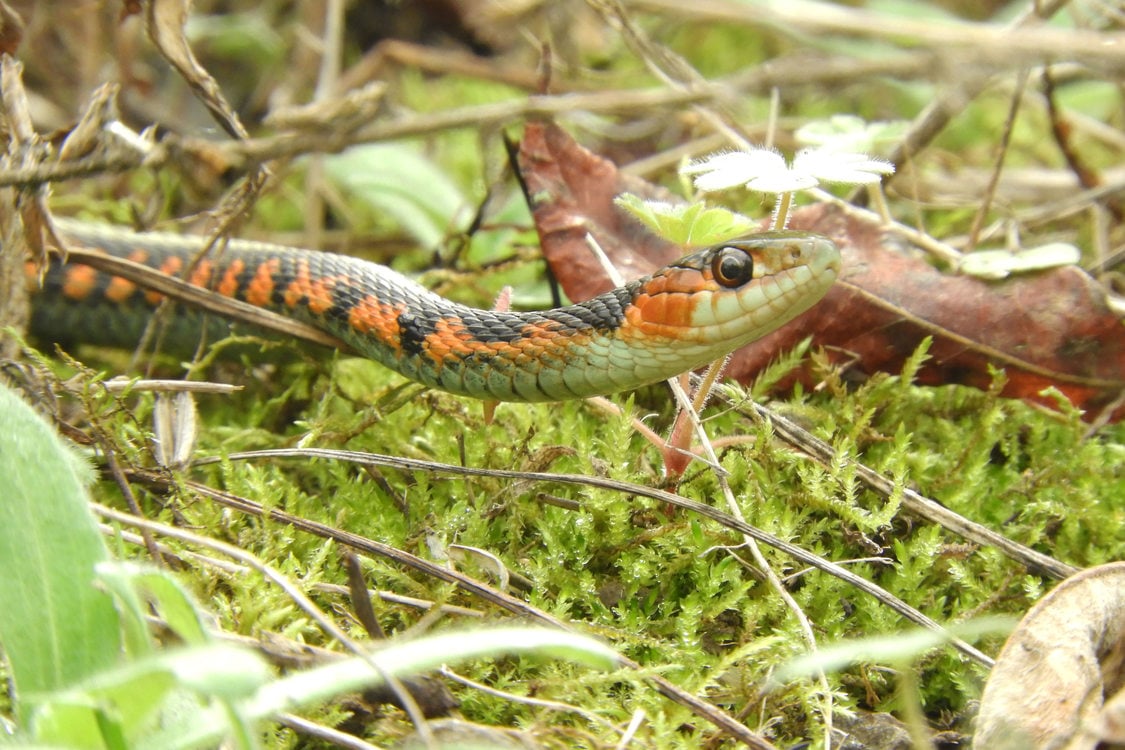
(697, 309)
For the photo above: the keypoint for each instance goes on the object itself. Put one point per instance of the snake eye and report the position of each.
(732, 267)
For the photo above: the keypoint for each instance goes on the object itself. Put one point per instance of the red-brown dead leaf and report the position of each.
(571, 192)
(11, 30)
(1048, 329)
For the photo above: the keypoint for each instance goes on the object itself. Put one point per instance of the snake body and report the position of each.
(693, 311)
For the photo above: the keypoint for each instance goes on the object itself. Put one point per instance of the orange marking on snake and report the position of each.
(228, 285)
(119, 290)
(665, 306)
(369, 315)
(661, 309)
(548, 341)
(201, 275)
(259, 291)
(451, 339)
(656, 316)
(79, 281)
(31, 276)
(170, 266)
(318, 291)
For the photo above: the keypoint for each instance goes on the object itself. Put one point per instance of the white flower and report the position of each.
(730, 168)
(766, 171)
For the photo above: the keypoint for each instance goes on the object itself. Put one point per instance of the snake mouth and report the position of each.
(827, 254)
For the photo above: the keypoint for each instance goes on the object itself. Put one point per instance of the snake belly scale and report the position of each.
(691, 312)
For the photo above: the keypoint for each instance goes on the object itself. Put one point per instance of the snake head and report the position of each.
(717, 299)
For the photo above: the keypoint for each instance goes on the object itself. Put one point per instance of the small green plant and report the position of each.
(833, 156)
(766, 171)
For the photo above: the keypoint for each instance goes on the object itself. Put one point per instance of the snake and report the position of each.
(693, 311)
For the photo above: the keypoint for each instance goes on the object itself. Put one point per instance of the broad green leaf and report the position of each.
(125, 700)
(131, 609)
(161, 589)
(396, 179)
(141, 699)
(56, 627)
(688, 224)
(184, 715)
(219, 670)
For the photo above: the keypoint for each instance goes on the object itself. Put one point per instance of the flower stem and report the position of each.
(781, 210)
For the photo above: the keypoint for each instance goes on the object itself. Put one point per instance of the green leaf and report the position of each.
(412, 657)
(127, 701)
(219, 670)
(120, 702)
(851, 133)
(999, 264)
(397, 180)
(897, 648)
(162, 590)
(56, 627)
(689, 224)
(131, 610)
(420, 655)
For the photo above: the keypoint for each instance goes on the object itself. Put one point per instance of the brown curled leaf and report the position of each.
(165, 21)
(1059, 681)
(1052, 329)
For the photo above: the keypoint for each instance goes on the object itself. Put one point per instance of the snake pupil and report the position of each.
(732, 267)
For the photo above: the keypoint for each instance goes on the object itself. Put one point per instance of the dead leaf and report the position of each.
(11, 30)
(165, 20)
(1050, 329)
(571, 192)
(1059, 681)
(88, 134)
(1046, 329)
(25, 149)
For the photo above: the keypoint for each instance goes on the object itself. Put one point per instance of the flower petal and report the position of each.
(834, 166)
(725, 170)
(783, 181)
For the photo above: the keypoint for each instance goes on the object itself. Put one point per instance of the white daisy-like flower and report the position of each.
(766, 171)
